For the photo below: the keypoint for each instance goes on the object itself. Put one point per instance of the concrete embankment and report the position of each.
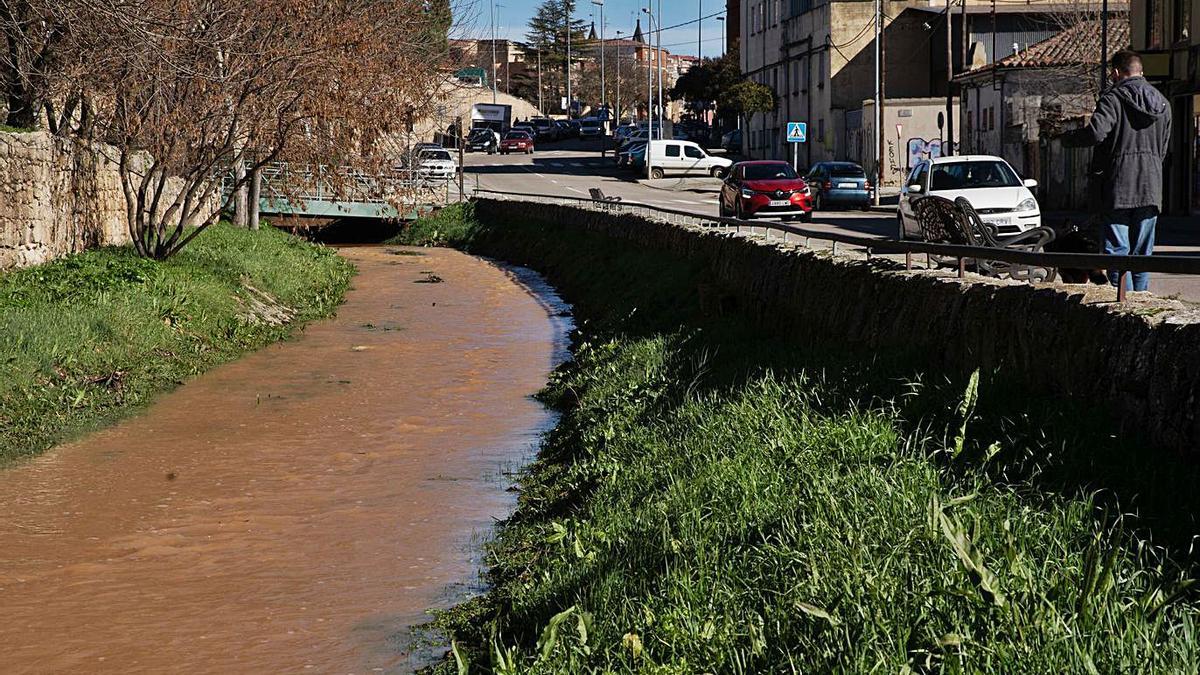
(1141, 361)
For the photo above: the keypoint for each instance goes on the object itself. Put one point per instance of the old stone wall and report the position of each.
(1141, 362)
(58, 197)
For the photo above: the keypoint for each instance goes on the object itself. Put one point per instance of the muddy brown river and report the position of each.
(298, 510)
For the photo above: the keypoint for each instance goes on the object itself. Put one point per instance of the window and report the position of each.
(672, 150)
(970, 120)
(1156, 16)
(821, 57)
(693, 152)
(970, 175)
(921, 174)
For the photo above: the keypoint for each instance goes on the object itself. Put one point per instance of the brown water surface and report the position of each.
(299, 509)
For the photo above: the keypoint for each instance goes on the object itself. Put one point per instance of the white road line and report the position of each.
(538, 175)
(554, 181)
(575, 189)
(576, 164)
(557, 165)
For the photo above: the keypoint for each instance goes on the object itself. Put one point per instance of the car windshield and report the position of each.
(972, 175)
(779, 171)
(590, 124)
(481, 133)
(517, 136)
(435, 154)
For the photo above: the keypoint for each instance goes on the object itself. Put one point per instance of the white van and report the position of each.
(684, 157)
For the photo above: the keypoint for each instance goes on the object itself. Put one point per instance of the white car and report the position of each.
(436, 165)
(998, 194)
(684, 157)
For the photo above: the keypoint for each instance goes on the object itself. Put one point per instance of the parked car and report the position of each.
(684, 157)
(544, 128)
(516, 141)
(573, 128)
(526, 127)
(563, 129)
(765, 189)
(622, 132)
(590, 128)
(483, 140)
(436, 164)
(732, 141)
(989, 183)
(625, 156)
(838, 184)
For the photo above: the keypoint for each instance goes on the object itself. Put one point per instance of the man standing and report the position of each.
(1130, 129)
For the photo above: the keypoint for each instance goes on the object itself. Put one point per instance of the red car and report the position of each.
(765, 189)
(516, 141)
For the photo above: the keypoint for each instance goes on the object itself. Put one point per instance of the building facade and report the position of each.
(819, 58)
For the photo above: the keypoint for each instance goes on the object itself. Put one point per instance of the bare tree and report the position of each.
(185, 90)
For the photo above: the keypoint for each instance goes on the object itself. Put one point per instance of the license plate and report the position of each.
(779, 202)
(998, 221)
(843, 186)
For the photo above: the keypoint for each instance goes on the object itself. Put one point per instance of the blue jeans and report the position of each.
(1124, 226)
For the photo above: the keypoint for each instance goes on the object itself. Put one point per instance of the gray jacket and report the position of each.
(1131, 130)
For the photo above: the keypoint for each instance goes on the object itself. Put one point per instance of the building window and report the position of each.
(970, 120)
(1156, 16)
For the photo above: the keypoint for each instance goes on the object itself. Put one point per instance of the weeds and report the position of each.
(86, 338)
(717, 500)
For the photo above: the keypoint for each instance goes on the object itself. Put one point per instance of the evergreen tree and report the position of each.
(548, 34)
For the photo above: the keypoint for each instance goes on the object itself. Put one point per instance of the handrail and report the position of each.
(1123, 264)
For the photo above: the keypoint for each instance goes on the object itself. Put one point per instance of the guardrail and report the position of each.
(1125, 265)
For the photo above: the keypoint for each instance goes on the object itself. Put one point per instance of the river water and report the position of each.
(297, 510)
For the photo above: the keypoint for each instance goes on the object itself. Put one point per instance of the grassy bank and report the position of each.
(86, 339)
(715, 500)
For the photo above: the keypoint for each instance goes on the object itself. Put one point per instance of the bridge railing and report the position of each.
(292, 187)
(1124, 265)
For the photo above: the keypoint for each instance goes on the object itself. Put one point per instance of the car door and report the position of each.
(918, 176)
(695, 159)
(672, 159)
(730, 189)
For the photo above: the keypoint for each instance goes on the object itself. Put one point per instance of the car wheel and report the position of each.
(717, 172)
(656, 173)
(899, 226)
(818, 203)
(721, 210)
(807, 217)
(738, 212)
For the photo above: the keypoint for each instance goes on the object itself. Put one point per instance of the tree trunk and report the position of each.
(241, 200)
(255, 190)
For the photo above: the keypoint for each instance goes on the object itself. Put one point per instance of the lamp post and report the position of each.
(541, 110)
(603, 90)
(493, 15)
(618, 106)
(722, 20)
(567, 15)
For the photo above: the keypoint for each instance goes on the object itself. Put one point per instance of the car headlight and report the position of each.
(747, 193)
(1029, 204)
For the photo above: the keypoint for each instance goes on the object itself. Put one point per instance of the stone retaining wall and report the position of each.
(1141, 361)
(56, 198)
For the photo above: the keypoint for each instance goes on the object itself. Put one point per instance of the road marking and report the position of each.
(554, 181)
(557, 165)
(575, 189)
(538, 174)
(577, 164)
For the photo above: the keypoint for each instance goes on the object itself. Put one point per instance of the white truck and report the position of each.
(494, 116)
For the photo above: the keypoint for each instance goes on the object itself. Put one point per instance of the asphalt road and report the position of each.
(571, 168)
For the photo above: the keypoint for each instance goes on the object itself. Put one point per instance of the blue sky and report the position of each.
(619, 15)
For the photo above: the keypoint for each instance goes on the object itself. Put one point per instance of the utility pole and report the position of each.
(603, 90)
(493, 14)
(541, 109)
(567, 14)
(1103, 44)
(618, 102)
(662, 109)
(878, 99)
(699, 29)
(948, 142)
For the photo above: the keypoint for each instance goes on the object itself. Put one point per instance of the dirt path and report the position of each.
(298, 509)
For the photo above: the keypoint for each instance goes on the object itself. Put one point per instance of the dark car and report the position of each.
(839, 184)
(516, 141)
(544, 128)
(765, 189)
(732, 141)
(482, 140)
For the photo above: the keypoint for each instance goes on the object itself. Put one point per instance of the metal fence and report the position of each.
(962, 255)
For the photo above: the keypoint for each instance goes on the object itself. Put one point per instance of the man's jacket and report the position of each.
(1131, 130)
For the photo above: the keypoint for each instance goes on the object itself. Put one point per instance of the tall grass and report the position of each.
(87, 338)
(715, 500)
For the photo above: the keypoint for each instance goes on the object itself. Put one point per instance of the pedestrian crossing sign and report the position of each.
(797, 132)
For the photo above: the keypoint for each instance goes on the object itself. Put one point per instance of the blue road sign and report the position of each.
(797, 132)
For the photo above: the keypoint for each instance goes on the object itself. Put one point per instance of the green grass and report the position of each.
(86, 339)
(716, 500)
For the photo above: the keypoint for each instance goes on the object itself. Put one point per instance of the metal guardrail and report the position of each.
(1123, 264)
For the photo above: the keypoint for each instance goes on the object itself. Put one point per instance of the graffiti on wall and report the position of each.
(919, 149)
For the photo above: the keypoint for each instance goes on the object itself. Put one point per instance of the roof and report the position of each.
(1052, 8)
(1077, 45)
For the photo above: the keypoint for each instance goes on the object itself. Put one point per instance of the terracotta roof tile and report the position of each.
(1076, 45)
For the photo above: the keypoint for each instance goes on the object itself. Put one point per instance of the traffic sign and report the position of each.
(797, 132)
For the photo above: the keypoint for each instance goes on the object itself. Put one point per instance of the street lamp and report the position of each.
(603, 91)
(567, 15)
(493, 15)
(722, 20)
(619, 33)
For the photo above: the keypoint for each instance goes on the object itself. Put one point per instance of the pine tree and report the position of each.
(548, 33)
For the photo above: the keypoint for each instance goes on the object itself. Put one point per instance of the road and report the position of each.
(571, 168)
